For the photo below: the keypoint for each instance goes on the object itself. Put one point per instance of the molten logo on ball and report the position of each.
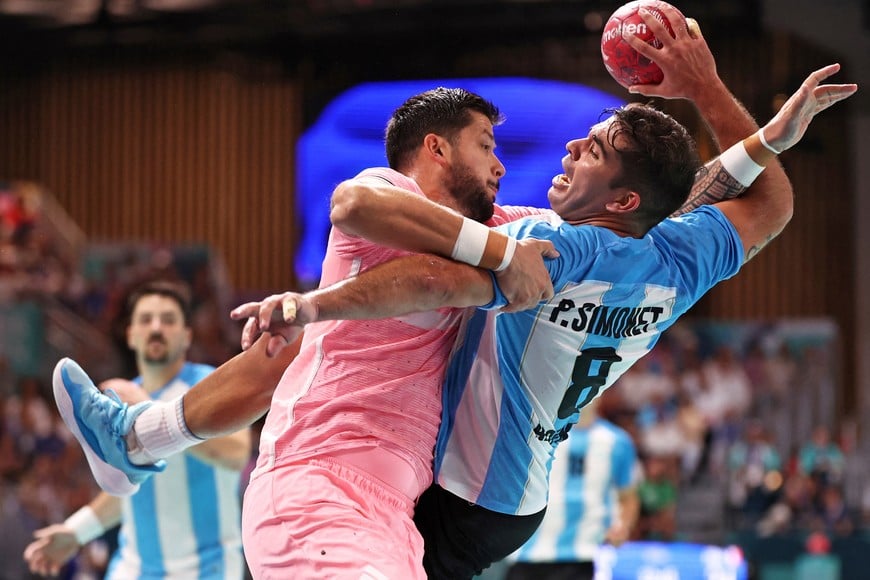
(626, 65)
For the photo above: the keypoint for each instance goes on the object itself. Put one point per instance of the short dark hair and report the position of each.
(659, 163)
(173, 289)
(442, 111)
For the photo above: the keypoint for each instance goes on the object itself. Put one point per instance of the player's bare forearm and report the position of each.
(107, 508)
(393, 217)
(390, 216)
(237, 393)
(406, 285)
(402, 286)
(761, 214)
(725, 116)
(629, 507)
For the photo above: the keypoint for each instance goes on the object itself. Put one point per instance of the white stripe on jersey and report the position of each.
(481, 407)
(185, 522)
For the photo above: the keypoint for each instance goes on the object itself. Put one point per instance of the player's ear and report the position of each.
(434, 145)
(627, 201)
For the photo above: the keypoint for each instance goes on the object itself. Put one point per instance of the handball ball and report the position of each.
(626, 65)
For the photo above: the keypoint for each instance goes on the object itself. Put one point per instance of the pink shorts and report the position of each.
(321, 519)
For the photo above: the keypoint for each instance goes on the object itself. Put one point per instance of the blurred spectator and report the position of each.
(33, 257)
(693, 427)
(694, 419)
(16, 525)
(659, 428)
(724, 398)
(11, 458)
(641, 383)
(832, 514)
(856, 473)
(18, 214)
(8, 379)
(780, 371)
(822, 458)
(658, 501)
(755, 474)
(28, 417)
(793, 510)
(755, 363)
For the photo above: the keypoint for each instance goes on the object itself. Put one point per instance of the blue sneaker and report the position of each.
(100, 422)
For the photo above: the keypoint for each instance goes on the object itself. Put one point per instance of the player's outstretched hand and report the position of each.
(283, 316)
(52, 547)
(685, 59)
(791, 121)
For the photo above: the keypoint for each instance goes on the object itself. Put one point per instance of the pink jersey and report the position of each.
(360, 384)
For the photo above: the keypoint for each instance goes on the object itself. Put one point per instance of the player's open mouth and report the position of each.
(561, 181)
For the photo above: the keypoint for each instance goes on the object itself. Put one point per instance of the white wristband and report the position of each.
(85, 525)
(509, 251)
(764, 142)
(737, 162)
(470, 243)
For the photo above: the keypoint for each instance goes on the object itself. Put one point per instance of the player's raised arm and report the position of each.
(764, 210)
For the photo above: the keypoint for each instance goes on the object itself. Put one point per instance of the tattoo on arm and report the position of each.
(712, 184)
(753, 251)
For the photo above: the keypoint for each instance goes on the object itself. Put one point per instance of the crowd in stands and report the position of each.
(21, 251)
(753, 414)
(43, 473)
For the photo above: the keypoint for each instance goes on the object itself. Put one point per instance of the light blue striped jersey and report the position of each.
(516, 381)
(589, 469)
(183, 523)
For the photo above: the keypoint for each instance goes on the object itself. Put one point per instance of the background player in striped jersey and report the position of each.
(593, 499)
(185, 522)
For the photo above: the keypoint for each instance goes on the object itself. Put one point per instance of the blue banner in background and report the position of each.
(541, 116)
(670, 561)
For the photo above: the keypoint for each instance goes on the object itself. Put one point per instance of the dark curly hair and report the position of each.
(659, 162)
(442, 111)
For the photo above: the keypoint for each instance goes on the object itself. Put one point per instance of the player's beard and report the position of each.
(158, 359)
(470, 194)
